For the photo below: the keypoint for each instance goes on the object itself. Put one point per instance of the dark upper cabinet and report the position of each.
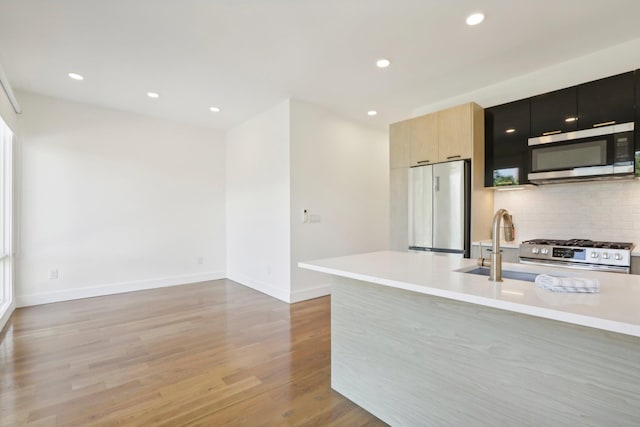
(506, 139)
(554, 112)
(508, 127)
(606, 101)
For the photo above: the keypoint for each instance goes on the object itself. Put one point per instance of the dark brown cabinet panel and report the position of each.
(606, 101)
(506, 143)
(554, 112)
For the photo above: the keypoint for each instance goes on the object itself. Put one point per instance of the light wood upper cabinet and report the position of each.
(424, 139)
(399, 144)
(455, 133)
(433, 138)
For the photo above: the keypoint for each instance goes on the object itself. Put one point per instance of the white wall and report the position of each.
(116, 201)
(339, 171)
(603, 63)
(258, 231)
(606, 211)
(298, 156)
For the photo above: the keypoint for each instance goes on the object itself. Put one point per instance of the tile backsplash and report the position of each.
(598, 210)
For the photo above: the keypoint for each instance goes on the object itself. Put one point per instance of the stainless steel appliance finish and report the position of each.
(601, 153)
(580, 134)
(578, 253)
(439, 207)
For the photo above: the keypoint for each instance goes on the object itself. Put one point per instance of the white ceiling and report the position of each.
(247, 55)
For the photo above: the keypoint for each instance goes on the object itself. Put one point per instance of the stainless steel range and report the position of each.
(578, 253)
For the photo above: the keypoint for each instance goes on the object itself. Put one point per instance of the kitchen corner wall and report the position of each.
(340, 173)
(258, 223)
(298, 156)
(599, 210)
(114, 201)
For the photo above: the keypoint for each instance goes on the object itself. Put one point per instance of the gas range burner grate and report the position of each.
(614, 245)
(549, 242)
(581, 243)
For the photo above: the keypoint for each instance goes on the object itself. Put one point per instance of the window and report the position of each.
(6, 217)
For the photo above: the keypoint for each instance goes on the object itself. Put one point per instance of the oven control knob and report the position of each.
(594, 255)
(535, 250)
(605, 255)
(544, 251)
(618, 257)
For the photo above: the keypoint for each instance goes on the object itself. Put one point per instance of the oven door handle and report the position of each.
(576, 265)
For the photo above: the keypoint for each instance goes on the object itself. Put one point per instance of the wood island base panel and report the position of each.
(414, 359)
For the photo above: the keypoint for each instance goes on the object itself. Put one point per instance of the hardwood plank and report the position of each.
(213, 353)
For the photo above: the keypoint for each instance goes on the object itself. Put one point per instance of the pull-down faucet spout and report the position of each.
(495, 270)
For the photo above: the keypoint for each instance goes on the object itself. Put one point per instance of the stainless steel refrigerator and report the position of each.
(439, 207)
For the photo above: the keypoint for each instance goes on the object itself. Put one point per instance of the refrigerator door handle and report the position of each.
(436, 185)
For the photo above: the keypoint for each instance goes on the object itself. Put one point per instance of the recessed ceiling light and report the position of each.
(475, 19)
(372, 112)
(510, 130)
(383, 63)
(214, 109)
(570, 119)
(152, 95)
(75, 76)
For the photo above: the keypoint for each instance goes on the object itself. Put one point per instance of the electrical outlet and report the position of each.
(200, 260)
(53, 274)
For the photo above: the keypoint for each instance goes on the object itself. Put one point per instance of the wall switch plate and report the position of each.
(53, 274)
(305, 216)
(200, 260)
(314, 218)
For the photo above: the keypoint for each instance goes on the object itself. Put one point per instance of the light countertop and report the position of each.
(616, 308)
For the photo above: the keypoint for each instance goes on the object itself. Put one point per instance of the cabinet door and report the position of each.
(554, 112)
(606, 101)
(455, 133)
(506, 144)
(399, 145)
(424, 139)
(421, 207)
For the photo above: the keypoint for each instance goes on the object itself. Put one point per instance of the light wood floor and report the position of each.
(209, 354)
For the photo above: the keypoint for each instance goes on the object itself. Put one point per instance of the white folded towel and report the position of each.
(567, 284)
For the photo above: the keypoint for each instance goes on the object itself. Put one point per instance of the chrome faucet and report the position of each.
(495, 269)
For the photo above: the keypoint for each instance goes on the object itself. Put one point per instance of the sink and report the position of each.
(507, 274)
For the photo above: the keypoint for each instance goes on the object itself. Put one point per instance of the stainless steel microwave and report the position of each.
(599, 153)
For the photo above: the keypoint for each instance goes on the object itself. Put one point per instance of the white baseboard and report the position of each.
(260, 286)
(115, 288)
(310, 293)
(5, 313)
(281, 294)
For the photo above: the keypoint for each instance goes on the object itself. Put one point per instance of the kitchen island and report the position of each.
(418, 341)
